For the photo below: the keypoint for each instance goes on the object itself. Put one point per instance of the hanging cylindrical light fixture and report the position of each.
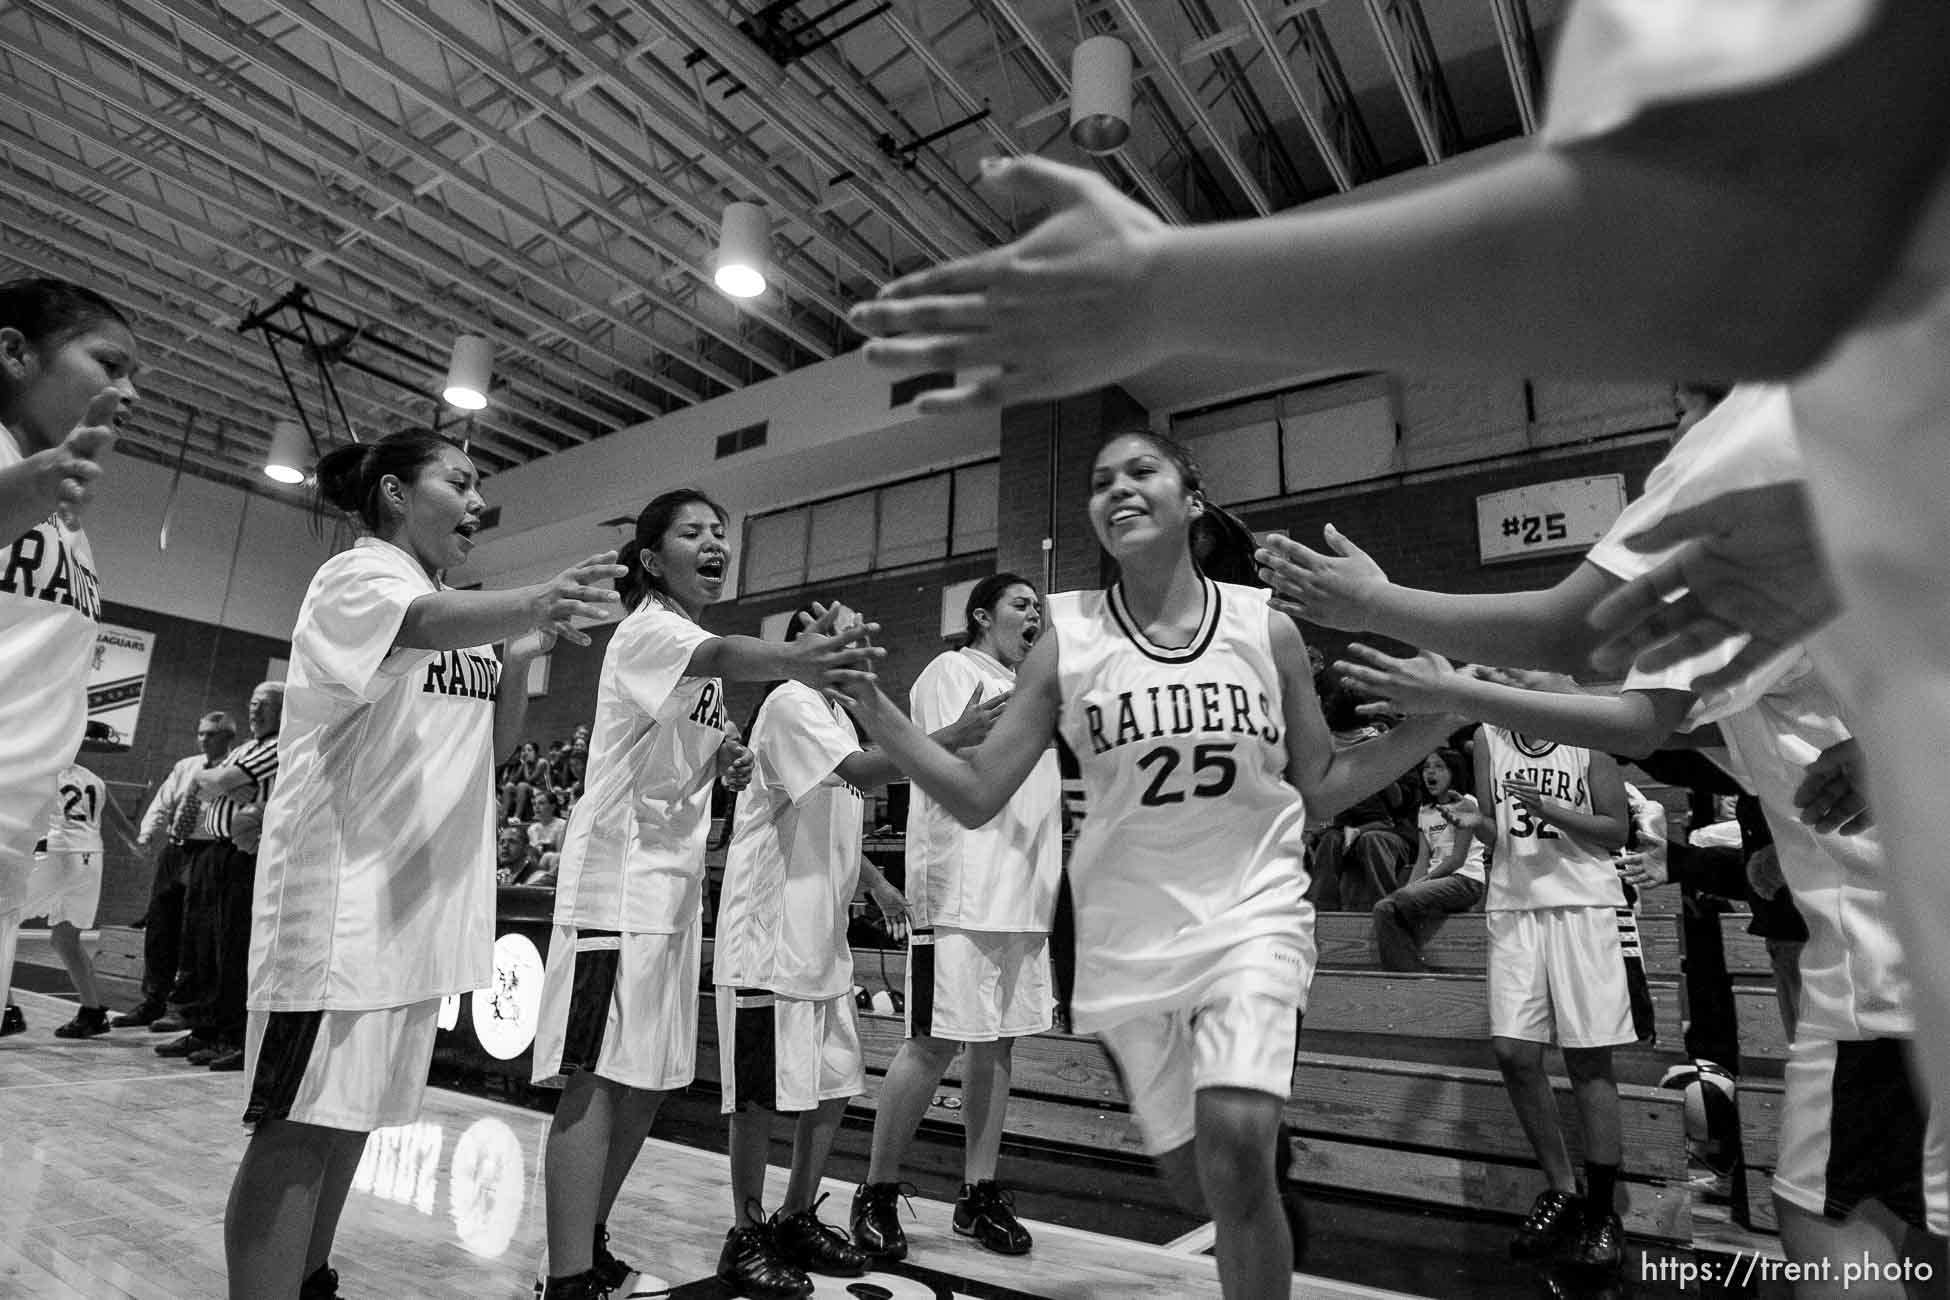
(290, 453)
(1100, 95)
(469, 373)
(744, 248)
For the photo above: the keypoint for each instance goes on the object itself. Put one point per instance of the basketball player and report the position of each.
(1558, 972)
(68, 359)
(787, 1038)
(66, 886)
(1717, 189)
(375, 886)
(619, 1001)
(978, 970)
(1191, 710)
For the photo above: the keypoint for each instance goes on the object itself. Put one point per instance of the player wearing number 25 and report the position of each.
(1190, 706)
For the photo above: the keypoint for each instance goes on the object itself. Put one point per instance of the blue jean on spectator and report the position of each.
(1409, 917)
(1354, 869)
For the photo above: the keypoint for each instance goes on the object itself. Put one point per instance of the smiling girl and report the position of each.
(375, 883)
(619, 1002)
(1190, 706)
(67, 365)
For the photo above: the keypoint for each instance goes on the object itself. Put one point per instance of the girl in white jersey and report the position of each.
(68, 359)
(619, 1001)
(978, 970)
(787, 1038)
(1191, 709)
(375, 879)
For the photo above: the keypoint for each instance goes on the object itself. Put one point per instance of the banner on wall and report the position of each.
(116, 680)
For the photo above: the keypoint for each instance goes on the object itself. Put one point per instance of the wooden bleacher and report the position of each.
(1408, 1105)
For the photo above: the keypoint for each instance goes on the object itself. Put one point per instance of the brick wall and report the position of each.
(1075, 429)
(194, 667)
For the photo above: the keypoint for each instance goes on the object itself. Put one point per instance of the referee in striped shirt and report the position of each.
(233, 795)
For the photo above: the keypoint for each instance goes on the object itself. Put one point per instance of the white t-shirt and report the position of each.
(1441, 836)
(76, 826)
(1195, 842)
(50, 606)
(1001, 875)
(1537, 865)
(375, 877)
(794, 860)
(633, 856)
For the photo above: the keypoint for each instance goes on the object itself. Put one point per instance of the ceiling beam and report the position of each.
(1324, 146)
(1518, 41)
(441, 265)
(496, 68)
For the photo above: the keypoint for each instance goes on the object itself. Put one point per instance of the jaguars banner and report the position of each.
(115, 680)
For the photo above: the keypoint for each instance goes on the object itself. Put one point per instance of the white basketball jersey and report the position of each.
(50, 605)
(77, 823)
(375, 875)
(1194, 840)
(794, 860)
(1001, 875)
(1538, 866)
(633, 855)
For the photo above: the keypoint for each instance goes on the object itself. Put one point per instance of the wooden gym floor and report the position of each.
(114, 1166)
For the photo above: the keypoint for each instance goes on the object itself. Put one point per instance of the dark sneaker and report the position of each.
(987, 1213)
(1601, 1246)
(87, 1023)
(1555, 1221)
(227, 1060)
(587, 1285)
(12, 1022)
(204, 1055)
(1290, 1203)
(185, 1046)
(816, 1247)
(750, 1264)
(877, 1221)
(323, 1284)
(148, 1013)
(612, 1271)
(168, 1024)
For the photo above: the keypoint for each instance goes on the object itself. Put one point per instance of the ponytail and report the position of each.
(349, 477)
(1222, 547)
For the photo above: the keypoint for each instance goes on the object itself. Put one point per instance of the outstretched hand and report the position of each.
(1336, 588)
(1069, 306)
(1750, 564)
(573, 594)
(1423, 684)
(978, 718)
(835, 653)
(70, 467)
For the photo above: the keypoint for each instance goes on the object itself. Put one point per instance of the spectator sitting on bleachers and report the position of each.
(545, 832)
(521, 776)
(1449, 873)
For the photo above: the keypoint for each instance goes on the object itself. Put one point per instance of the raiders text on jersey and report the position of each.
(463, 672)
(40, 566)
(1181, 709)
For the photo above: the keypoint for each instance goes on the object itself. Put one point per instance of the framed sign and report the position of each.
(1564, 517)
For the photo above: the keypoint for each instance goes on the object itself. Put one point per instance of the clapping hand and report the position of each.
(1749, 564)
(1334, 589)
(1069, 306)
(1421, 685)
(1833, 795)
(977, 719)
(573, 594)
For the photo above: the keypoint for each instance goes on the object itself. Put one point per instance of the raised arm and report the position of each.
(1342, 586)
(975, 786)
(1632, 723)
(873, 766)
(452, 620)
